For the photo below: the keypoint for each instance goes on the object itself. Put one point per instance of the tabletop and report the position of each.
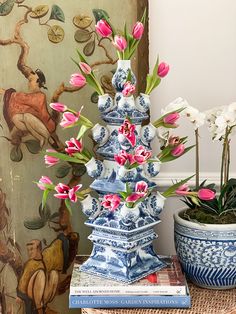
(204, 301)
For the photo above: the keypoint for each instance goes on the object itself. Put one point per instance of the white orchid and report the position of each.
(175, 105)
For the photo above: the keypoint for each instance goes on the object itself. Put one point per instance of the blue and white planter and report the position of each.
(156, 203)
(95, 168)
(142, 102)
(207, 252)
(126, 175)
(100, 134)
(120, 77)
(148, 133)
(91, 207)
(152, 169)
(105, 103)
(126, 104)
(129, 215)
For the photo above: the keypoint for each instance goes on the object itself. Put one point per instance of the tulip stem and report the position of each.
(197, 159)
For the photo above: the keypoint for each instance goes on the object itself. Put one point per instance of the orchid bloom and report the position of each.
(111, 202)
(50, 160)
(73, 146)
(69, 119)
(141, 155)
(127, 130)
(44, 181)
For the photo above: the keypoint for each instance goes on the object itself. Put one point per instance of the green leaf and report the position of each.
(44, 212)
(63, 171)
(82, 35)
(45, 197)
(54, 215)
(16, 154)
(63, 157)
(171, 190)
(6, 7)
(79, 170)
(57, 14)
(33, 146)
(89, 48)
(100, 14)
(34, 223)
(68, 206)
(82, 131)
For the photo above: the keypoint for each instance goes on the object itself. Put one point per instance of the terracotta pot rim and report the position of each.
(202, 226)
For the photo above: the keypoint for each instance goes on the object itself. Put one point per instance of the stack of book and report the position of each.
(166, 288)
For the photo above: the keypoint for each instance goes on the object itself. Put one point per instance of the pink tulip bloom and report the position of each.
(58, 107)
(77, 80)
(127, 129)
(68, 119)
(85, 68)
(50, 160)
(62, 191)
(111, 201)
(134, 197)
(124, 157)
(73, 146)
(103, 28)
(171, 118)
(120, 43)
(178, 150)
(174, 140)
(206, 194)
(72, 193)
(129, 89)
(142, 155)
(141, 188)
(182, 190)
(43, 182)
(138, 30)
(163, 69)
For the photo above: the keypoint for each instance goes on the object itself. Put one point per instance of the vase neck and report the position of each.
(124, 64)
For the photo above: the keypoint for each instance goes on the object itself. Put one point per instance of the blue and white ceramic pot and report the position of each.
(148, 133)
(156, 203)
(126, 175)
(129, 215)
(142, 102)
(207, 252)
(100, 134)
(126, 103)
(105, 103)
(91, 207)
(151, 169)
(95, 168)
(120, 77)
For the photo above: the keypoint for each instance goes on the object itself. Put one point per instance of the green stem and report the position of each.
(197, 159)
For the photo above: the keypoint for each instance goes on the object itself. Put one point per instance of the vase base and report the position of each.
(122, 266)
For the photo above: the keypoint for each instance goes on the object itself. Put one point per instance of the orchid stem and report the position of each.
(197, 159)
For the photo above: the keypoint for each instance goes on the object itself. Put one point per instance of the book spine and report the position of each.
(130, 302)
(130, 290)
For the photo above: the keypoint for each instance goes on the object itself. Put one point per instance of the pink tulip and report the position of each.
(73, 146)
(127, 130)
(138, 30)
(120, 43)
(163, 69)
(129, 89)
(85, 68)
(72, 193)
(111, 201)
(178, 150)
(206, 194)
(68, 119)
(50, 160)
(62, 191)
(123, 157)
(58, 107)
(141, 155)
(134, 197)
(174, 140)
(141, 188)
(103, 28)
(182, 190)
(77, 80)
(43, 182)
(171, 118)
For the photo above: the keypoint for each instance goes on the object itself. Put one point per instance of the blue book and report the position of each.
(138, 301)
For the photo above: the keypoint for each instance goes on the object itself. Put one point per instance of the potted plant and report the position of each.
(205, 231)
